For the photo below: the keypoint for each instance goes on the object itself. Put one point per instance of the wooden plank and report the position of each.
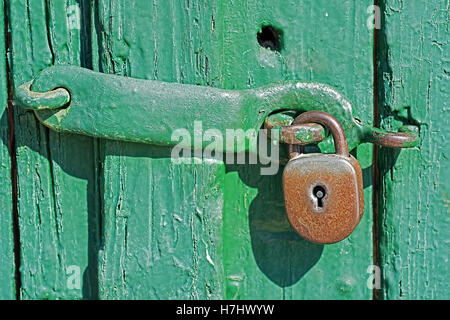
(414, 237)
(162, 235)
(323, 41)
(7, 265)
(57, 197)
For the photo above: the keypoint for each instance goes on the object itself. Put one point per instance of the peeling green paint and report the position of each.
(140, 227)
(7, 264)
(413, 55)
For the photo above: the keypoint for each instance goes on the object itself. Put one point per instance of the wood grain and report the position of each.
(204, 44)
(414, 215)
(7, 264)
(139, 226)
(162, 236)
(57, 198)
(326, 42)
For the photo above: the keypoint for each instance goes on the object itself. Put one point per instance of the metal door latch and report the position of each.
(77, 100)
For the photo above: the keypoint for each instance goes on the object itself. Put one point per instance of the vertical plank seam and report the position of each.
(12, 154)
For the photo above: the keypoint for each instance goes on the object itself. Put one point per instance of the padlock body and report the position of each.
(338, 179)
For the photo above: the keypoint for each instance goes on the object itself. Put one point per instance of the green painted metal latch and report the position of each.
(77, 100)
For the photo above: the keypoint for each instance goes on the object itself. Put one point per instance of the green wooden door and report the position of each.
(102, 219)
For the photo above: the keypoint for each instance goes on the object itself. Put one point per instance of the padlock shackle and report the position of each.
(327, 120)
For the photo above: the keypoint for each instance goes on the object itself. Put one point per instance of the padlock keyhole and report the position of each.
(319, 194)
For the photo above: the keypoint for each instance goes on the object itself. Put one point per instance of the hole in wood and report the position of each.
(270, 38)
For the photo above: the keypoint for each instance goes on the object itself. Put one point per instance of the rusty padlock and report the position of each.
(323, 192)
